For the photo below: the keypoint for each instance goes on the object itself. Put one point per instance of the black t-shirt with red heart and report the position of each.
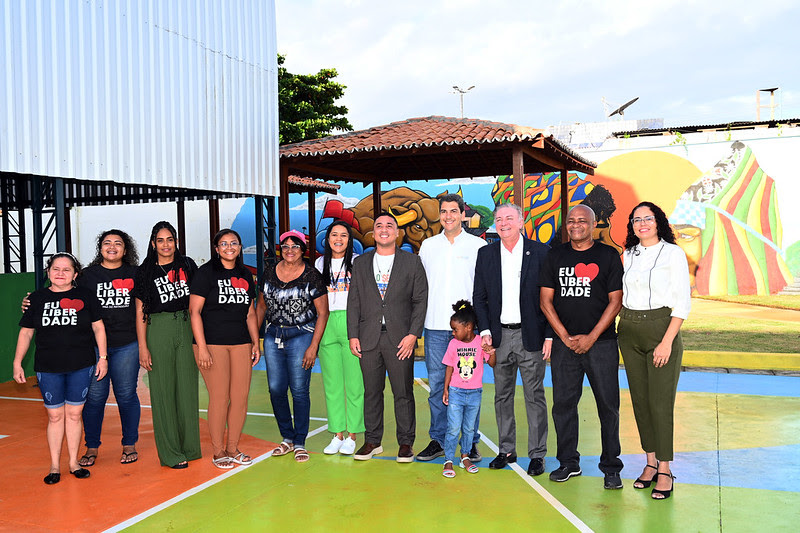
(169, 288)
(114, 289)
(229, 295)
(63, 324)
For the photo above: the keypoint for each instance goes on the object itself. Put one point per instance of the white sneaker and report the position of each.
(334, 446)
(348, 446)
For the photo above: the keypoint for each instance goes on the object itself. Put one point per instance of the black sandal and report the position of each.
(663, 493)
(645, 484)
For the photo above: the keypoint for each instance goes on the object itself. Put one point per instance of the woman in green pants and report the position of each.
(655, 302)
(341, 371)
(165, 346)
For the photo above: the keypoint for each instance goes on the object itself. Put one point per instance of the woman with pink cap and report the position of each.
(295, 303)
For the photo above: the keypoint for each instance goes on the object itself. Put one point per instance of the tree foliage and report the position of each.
(307, 104)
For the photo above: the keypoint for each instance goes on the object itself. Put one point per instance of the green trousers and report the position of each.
(173, 388)
(341, 377)
(652, 389)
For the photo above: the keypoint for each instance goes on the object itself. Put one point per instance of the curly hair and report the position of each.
(464, 313)
(147, 270)
(131, 256)
(327, 255)
(663, 228)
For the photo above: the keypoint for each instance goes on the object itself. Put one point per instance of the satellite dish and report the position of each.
(621, 109)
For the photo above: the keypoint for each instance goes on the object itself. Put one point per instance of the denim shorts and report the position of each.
(58, 388)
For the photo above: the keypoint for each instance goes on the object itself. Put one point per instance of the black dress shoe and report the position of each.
(474, 455)
(536, 467)
(502, 460)
(52, 478)
(366, 452)
(405, 454)
(431, 452)
(80, 473)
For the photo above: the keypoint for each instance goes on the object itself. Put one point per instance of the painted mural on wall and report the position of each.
(724, 209)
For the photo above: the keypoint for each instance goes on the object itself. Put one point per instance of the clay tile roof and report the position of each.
(301, 184)
(414, 133)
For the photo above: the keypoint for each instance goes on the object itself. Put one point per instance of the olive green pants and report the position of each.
(652, 389)
(173, 388)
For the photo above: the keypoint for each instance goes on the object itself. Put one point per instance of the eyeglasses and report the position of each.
(643, 220)
(287, 247)
(225, 244)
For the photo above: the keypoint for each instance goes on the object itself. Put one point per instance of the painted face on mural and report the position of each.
(338, 240)
(385, 232)
(508, 224)
(580, 224)
(450, 217)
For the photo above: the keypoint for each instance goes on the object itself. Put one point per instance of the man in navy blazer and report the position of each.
(506, 300)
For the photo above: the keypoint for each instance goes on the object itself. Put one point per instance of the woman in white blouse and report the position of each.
(656, 301)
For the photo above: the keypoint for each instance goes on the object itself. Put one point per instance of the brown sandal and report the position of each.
(283, 449)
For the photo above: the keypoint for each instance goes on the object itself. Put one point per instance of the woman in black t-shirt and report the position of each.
(110, 277)
(165, 346)
(67, 323)
(295, 302)
(226, 343)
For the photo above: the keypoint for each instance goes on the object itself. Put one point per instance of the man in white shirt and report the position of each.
(449, 261)
(510, 320)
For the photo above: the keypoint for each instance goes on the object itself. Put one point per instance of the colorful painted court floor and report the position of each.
(737, 467)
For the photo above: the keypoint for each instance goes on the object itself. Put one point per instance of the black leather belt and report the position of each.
(511, 326)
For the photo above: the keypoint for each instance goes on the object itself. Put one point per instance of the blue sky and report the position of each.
(539, 63)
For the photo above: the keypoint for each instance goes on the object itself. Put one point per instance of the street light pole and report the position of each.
(461, 92)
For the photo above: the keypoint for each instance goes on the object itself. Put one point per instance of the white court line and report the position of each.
(549, 498)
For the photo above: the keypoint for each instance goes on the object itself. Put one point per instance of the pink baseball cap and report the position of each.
(292, 233)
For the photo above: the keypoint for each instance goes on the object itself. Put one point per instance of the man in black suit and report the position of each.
(385, 315)
(506, 300)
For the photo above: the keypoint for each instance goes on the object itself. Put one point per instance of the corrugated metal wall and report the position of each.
(169, 92)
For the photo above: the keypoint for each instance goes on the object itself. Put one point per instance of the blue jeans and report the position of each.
(285, 372)
(123, 374)
(462, 416)
(58, 388)
(436, 341)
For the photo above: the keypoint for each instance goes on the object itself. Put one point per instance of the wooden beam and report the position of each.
(376, 199)
(518, 166)
(540, 156)
(283, 200)
(327, 171)
(564, 203)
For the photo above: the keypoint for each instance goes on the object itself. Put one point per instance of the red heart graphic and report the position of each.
(239, 283)
(181, 275)
(586, 271)
(126, 283)
(67, 303)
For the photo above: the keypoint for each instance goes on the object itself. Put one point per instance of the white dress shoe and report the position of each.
(334, 446)
(348, 446)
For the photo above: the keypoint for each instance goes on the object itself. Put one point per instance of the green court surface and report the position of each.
(736, 465)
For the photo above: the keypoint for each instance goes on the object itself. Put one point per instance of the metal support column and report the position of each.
(47, 201)
(12, 203)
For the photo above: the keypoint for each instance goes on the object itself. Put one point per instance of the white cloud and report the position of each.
(320, 201)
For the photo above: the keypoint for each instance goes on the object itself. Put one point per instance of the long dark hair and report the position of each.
(327, 275)
(216, 262)
(464, 313)
(147, 269)
(662, 225)
(131, 256)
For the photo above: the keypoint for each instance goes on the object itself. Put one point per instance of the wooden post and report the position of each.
(181, 227)
(376, 198)
(213, 222)
(283, 201)
(564, 203)
(312, 227)
(518, 167)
